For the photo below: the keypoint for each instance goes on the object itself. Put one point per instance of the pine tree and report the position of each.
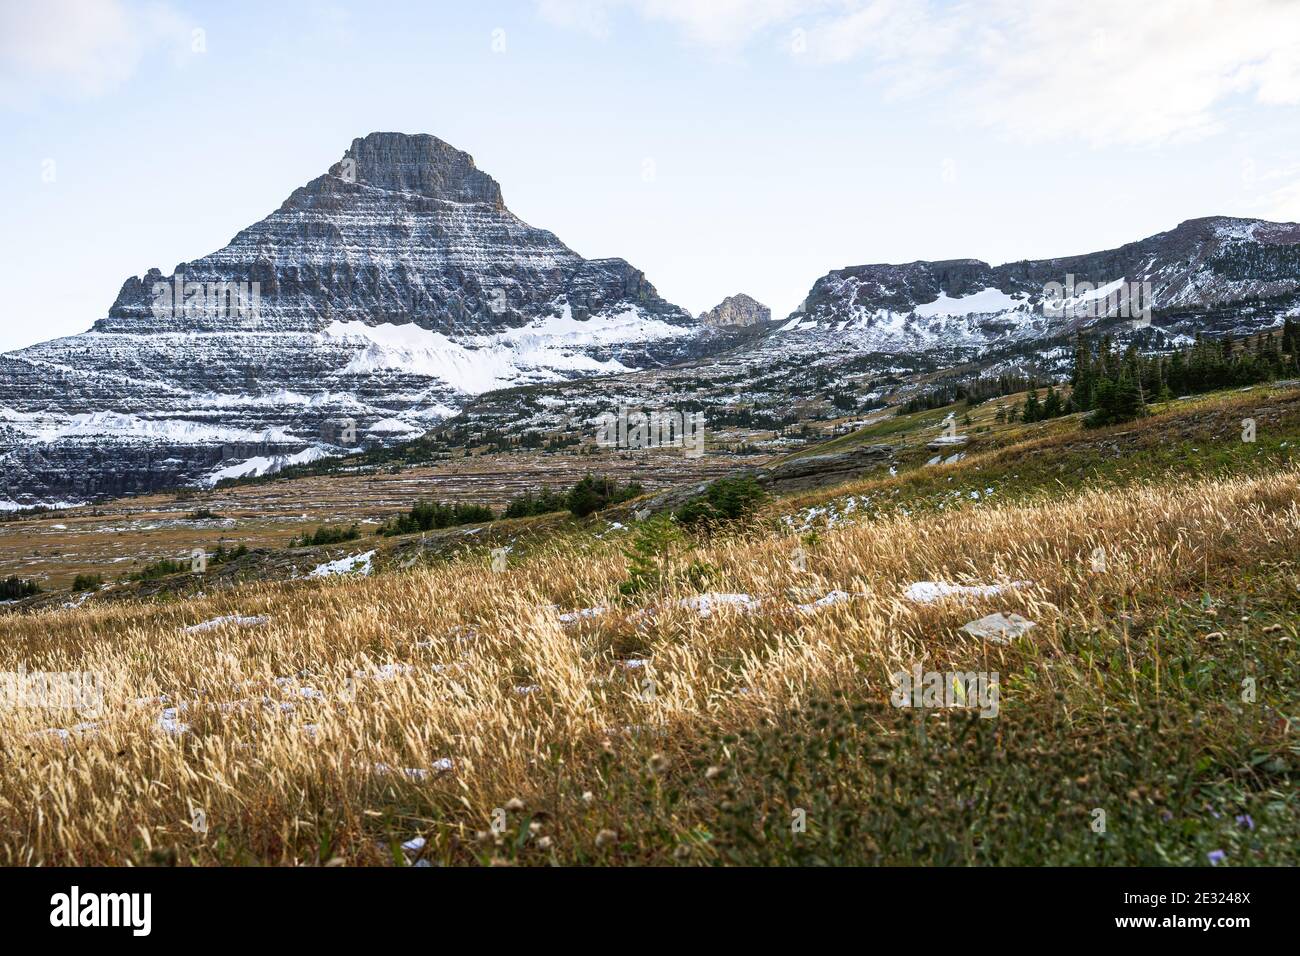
(1084, 377)
(1129, 402)
(1162, 381)
(1032, 412)
(1052, 404)
(648, 554)
(1103, 411)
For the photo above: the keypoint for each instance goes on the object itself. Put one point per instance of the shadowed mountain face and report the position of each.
(364, 309)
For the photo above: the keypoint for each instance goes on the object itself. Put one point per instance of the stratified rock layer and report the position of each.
(388, 290)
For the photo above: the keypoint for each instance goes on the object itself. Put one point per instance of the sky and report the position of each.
(720, 146)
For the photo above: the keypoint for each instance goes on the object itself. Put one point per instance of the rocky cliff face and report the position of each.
(367, 307)
(402, 230)
(736, 311)
(1202, 266)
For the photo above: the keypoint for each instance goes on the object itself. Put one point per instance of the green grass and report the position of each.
(1198, 438)
(1178, 764)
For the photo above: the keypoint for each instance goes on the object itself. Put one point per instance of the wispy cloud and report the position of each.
(719, 24)
(1105, 72)
(79, 48)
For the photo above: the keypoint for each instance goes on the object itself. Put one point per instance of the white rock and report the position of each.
(999, 628)
(928, 592)
(233, 619)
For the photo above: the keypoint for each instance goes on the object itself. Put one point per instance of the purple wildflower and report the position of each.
(1216, 857)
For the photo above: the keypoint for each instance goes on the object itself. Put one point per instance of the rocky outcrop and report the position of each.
(736, 311)
(821, 471)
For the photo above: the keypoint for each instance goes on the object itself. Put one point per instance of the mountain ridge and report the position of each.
(384, 294)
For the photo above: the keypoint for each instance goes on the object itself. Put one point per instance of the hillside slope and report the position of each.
(750, 679)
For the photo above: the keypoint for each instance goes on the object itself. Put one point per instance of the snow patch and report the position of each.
(357, 564)
(264, 465)
(986, 302)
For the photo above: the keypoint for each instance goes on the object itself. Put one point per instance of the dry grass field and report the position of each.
(737, 707)
(339, 719)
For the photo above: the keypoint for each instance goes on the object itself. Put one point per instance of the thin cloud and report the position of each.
(78, 48)
(718, 24)
(1106, 72)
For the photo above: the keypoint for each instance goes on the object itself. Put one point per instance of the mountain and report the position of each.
(870, 334)
(1202, 266)
(737, 310)
(397, 291)
(367, 307)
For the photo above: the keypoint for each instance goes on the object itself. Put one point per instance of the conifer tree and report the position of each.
(1033, 411)
(1052, 404)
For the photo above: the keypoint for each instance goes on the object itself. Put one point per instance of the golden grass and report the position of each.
(429, 665)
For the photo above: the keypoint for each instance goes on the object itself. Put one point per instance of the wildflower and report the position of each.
(605, 837)
(588, 797)
(514, 805)
(544, 843)
(1216, 857)
(1244, 820)
(712, 772)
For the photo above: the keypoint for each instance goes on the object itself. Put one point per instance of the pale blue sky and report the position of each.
(736, 145)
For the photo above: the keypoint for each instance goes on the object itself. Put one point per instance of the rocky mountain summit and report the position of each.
(368, 306)
(739, 311)
(402, 230)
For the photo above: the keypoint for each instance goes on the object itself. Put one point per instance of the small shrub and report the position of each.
(594, 493)
(531, 503)
(326, 534)
(14, 589)
(647, 555)
(434, 515)
(159, 569)
(727, 499)
(222, 555)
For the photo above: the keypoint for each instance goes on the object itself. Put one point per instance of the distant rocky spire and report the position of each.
(737, 310)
